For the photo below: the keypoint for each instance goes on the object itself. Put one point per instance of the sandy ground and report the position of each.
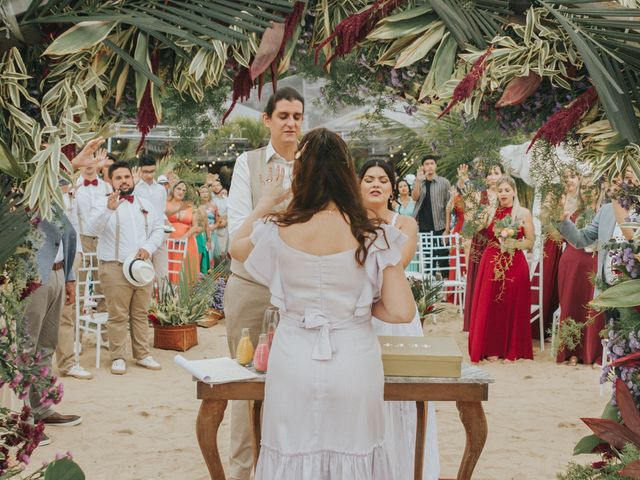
(141, 426)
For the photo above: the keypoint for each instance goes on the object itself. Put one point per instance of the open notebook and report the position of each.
(215, 370)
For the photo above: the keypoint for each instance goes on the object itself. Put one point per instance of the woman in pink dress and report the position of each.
(181, 217)
(328, 268)
(501, 300)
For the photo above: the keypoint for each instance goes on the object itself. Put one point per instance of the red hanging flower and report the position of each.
(468, 84)
(355, 28)
(559, 124)
(69, 150)
(241, 89)
(146, 117)
(29, 289)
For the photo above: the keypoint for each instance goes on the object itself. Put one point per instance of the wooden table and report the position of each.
(468, 391)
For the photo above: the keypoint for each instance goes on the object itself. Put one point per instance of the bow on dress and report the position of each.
(315, 319)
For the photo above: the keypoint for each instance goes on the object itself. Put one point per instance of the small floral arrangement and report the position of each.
(506, 229)
(186, 302)
(625, 258)
(426, 293)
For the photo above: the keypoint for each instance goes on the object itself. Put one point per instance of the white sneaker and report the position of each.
(119, 367)
(150, 363)
(78, 372)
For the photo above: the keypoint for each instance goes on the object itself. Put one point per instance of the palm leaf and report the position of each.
(611, 54)
(472, 22)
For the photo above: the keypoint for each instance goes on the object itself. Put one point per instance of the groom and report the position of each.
(245, 300)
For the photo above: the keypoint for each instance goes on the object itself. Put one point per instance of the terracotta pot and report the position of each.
(175, 337)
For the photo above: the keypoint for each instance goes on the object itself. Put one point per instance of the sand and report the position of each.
(141, 426)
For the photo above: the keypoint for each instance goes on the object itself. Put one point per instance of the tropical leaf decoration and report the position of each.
(14, 221)
(67, 68)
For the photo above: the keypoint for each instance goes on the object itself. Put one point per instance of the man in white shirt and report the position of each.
(65, 355)
(245, 300)
(156, 195)
(89, 190)
(126, 225)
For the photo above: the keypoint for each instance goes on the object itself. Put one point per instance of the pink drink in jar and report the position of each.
(261, 355)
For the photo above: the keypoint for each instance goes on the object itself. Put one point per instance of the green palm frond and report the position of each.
(608, 40)
(472, 22)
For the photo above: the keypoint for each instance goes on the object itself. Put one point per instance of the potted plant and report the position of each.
(178, 307)
(426, 293)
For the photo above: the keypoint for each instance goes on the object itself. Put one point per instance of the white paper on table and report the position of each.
(215, 370)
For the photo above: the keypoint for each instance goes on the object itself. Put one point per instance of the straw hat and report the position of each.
(138, 272)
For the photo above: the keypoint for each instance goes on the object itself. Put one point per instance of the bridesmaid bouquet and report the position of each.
(506, 229)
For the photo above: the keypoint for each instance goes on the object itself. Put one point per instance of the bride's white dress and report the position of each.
(323, 415)
(401, 417)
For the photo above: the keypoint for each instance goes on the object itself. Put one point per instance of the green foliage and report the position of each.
(426, 293)
(194, 119)
(569, 335)
(608, 471)
(185, 303)
(14, 223)
(253, 131)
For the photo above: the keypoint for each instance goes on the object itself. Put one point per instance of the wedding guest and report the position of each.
(551, 257)
(154, 193)
(164, 181)
(476, 206)
(180, 213)
(607, 225)
(376, 181)
(65, 354)
(501, 305)
(325, 338)
(221, 231)
(431, 194)
(575, 280)
(126, 225)
(109, 159)
(404, 203)
(206, 220)
(245, 299)
(54, 261)
(90, 190)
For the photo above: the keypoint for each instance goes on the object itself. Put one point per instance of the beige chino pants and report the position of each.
(126, 305)
(65, 356)
(244, 306)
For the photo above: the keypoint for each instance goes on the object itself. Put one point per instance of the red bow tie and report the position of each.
(129, 198)
(93, 182)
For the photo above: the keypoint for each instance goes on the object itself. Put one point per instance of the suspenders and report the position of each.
(117, 239)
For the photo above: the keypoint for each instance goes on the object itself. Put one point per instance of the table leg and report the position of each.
(209, 418)
(255, 417)
(421, 425)
(475, 426)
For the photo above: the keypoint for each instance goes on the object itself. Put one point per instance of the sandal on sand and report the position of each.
(492, 359)
(573, 361)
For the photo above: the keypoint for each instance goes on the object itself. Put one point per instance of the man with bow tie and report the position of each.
(245, 300)
(126, 224)
(89, 189)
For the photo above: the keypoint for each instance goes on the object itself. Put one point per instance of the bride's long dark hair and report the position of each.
(323, 172)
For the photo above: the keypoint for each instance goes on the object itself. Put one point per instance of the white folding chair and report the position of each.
(179, 247)
(536, 273)
(439, 248)
(88, 321)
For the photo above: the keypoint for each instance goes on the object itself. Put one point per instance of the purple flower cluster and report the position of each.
(629, 197)
(624, 261)
(218, 294)
(19, 433)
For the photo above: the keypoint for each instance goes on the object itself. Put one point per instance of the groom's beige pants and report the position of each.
(244, 306)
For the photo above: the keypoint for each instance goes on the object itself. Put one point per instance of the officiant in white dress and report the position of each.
(328, 268)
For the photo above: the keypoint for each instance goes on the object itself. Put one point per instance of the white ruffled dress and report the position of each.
(323, 416)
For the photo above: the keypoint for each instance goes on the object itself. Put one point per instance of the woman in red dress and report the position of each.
(575, 273)
(485, 200)
(502, 300)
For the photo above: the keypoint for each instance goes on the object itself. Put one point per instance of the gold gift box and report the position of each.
(420, 356)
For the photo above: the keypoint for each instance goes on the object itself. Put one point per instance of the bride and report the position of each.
(329, 268)
(376, 187)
